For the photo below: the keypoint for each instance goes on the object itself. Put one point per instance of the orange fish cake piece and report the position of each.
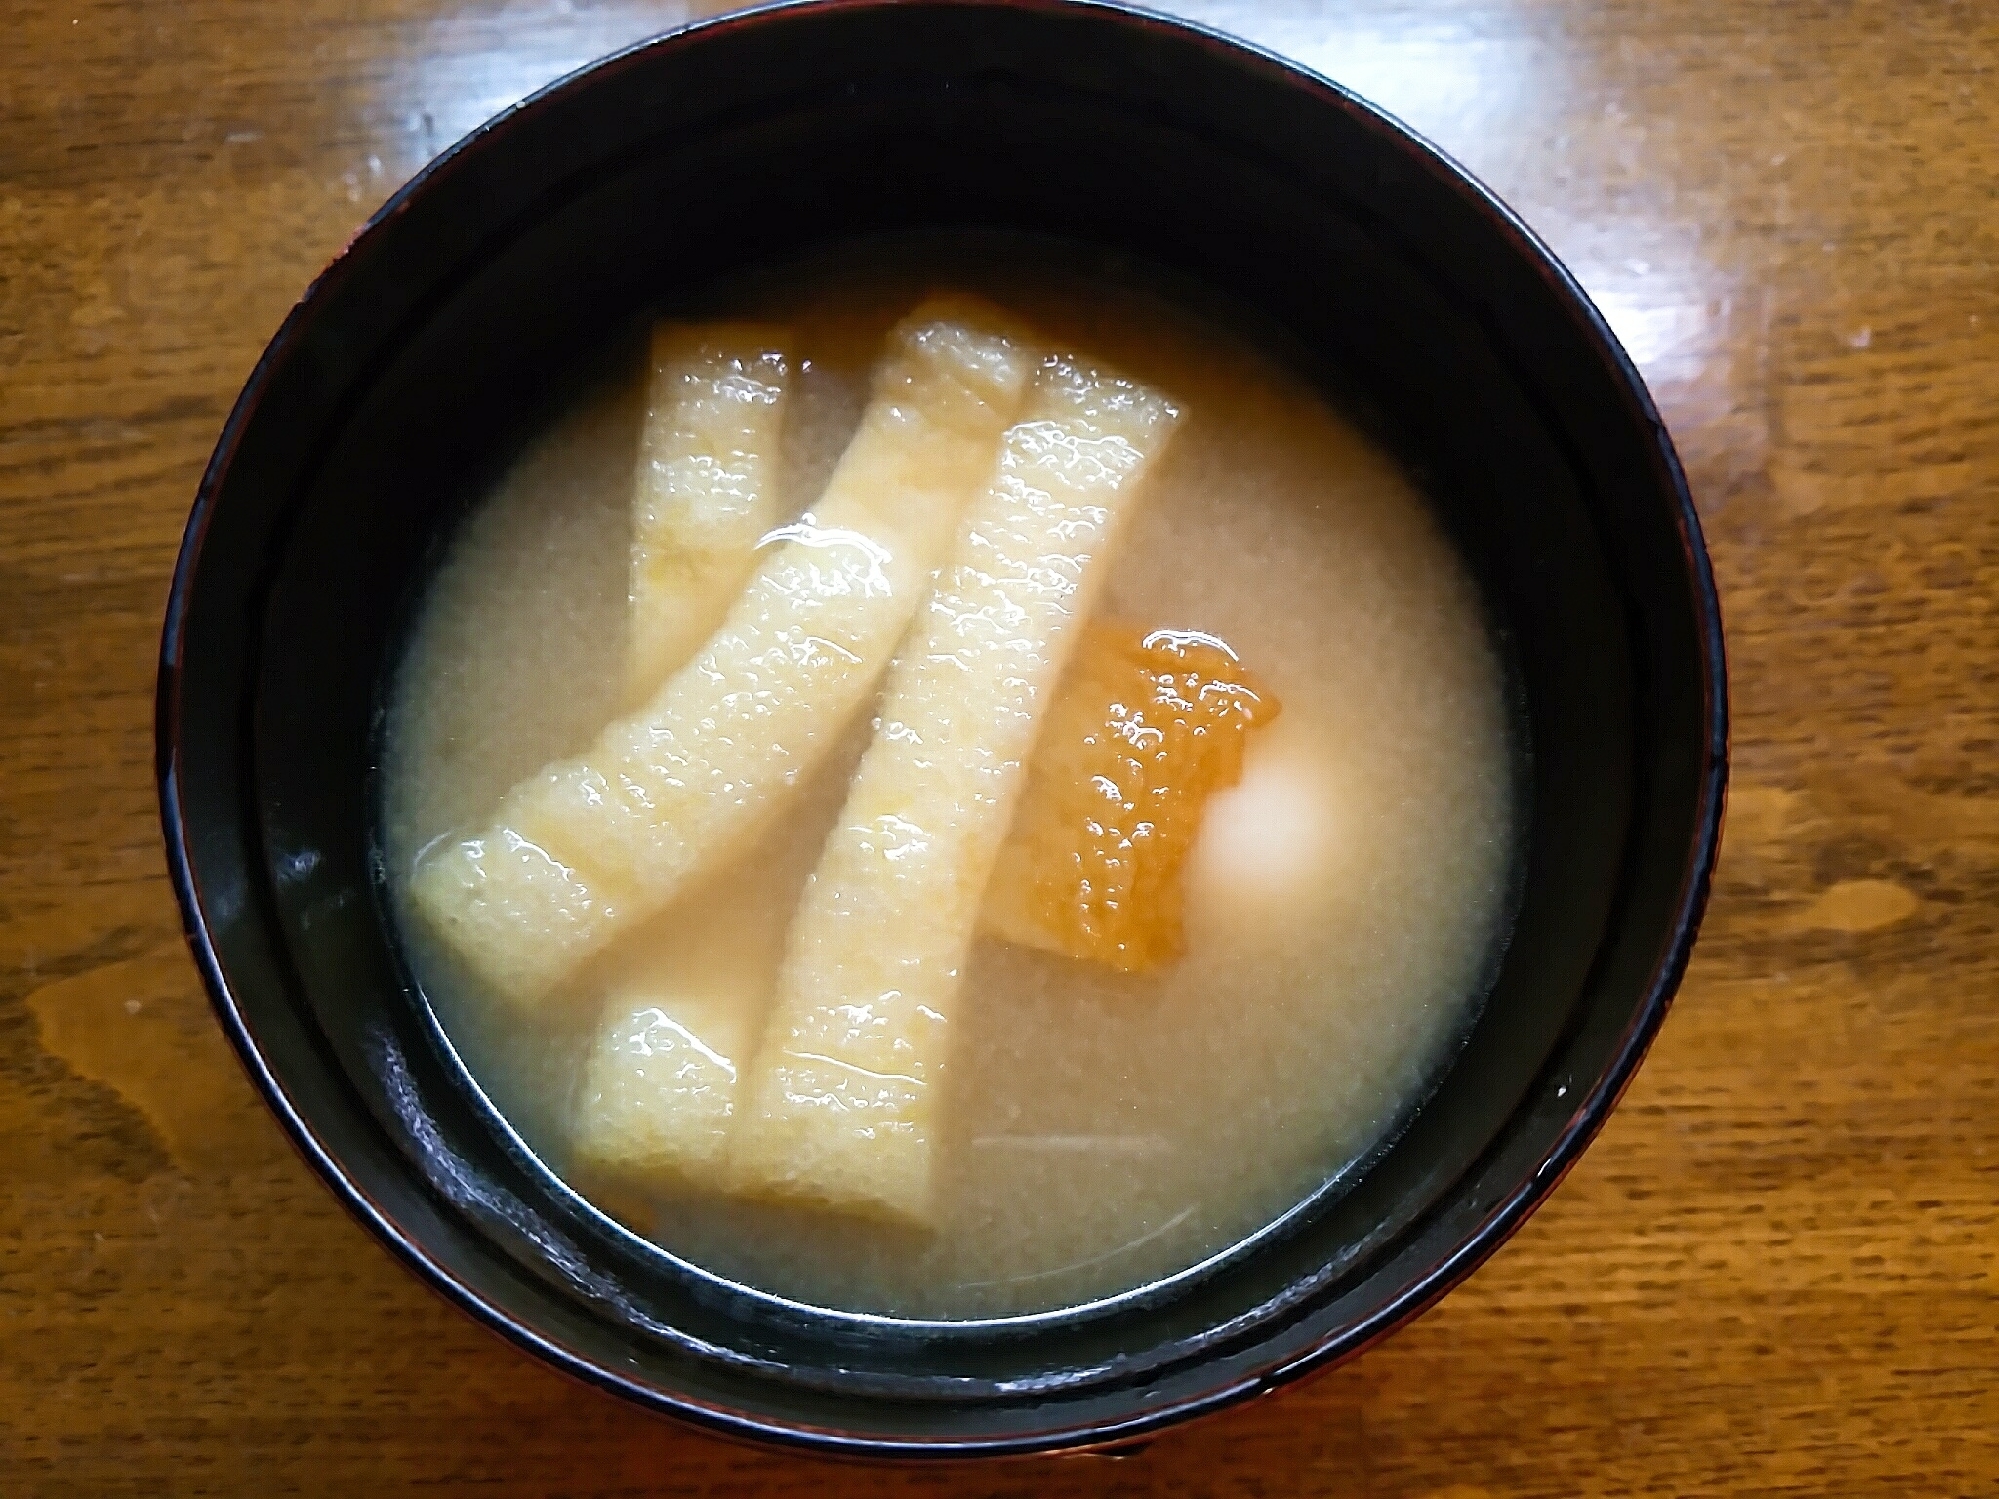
(1147, 725)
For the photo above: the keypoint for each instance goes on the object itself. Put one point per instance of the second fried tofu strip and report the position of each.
(590, 846)
(842, 1102)
(706, 487)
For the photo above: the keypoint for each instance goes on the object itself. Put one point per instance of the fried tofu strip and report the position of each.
(591, 846)
(1147, 727)
(843, 1098)
(706, 487)
(659, 1089)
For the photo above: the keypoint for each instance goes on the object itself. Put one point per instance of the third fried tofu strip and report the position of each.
(683, 1009)
(590, 846)
(842, 1101)
(706, 487)
(659, 1089)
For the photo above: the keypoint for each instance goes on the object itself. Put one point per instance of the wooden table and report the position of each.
(1774, 1272)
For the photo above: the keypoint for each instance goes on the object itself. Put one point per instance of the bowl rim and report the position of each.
(1479, 1243)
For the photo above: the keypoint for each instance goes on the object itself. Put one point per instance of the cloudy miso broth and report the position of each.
(1139, 1025)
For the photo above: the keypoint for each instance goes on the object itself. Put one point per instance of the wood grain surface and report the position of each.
(1775, 1271)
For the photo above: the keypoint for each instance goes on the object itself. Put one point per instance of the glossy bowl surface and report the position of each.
(455, 316)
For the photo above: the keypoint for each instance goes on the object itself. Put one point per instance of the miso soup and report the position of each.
(952, 806)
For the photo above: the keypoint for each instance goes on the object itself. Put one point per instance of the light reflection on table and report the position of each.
(1501, 89)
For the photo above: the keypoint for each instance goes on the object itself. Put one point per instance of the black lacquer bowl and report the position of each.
(456, 313)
